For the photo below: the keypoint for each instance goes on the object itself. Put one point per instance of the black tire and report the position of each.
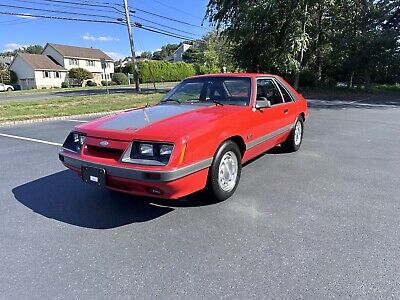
(213, 187)
(290, 144)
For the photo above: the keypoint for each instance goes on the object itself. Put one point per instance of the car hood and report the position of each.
(161, 122)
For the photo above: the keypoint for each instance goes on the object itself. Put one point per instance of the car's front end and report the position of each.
(140, 167)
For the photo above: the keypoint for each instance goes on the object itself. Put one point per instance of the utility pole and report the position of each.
(135, 67)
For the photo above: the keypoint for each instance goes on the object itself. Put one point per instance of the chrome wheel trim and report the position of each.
(298, 132)
(228, 171)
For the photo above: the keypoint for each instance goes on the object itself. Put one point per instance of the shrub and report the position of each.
(120, 78)
(104, 83)
(65, 84)
(80, 74)
(8, 76)
(91, 83)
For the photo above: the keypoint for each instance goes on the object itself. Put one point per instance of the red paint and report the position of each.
(202, 130)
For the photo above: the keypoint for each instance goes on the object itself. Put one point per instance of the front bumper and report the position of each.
(170, 184)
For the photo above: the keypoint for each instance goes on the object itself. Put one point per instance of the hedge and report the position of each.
(158, 71)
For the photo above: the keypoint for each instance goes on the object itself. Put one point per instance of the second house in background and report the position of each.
(65, 58)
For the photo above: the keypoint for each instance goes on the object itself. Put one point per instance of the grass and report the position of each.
(86, 88)
(74, 105)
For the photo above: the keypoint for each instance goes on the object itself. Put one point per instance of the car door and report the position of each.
(268, 123)
(289, 107)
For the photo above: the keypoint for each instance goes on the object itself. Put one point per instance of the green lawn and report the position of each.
(76, 105)
(86, 88)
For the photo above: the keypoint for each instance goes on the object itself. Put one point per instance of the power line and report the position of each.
(66, 6)
(56, 11)
(59, 18)
(108, 5)
(140, 25)
(159, 24)
(177, 9)
(164, 17)
(159, 31)
(114, 7)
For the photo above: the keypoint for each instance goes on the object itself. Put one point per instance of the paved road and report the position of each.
(81, 92)
(319, 223)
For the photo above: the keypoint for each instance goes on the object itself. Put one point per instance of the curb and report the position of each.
(60, 118)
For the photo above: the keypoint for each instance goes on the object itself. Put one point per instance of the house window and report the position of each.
(46, 74)
(108, 65)
(73, 62)
(102, 76)
(57, 75)
(90, 63)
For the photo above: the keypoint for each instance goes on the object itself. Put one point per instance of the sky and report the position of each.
(19, 31)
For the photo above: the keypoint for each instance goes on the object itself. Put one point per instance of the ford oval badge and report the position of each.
(103, 143)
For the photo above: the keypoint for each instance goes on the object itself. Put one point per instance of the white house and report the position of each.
(178, 54)
(50, 68)
(78, 57)
(36, 71)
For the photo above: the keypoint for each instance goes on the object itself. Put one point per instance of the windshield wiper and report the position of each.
(171, 100)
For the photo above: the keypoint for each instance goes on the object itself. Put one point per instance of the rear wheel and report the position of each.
(224, 174)
(9, 89)
(293, 141)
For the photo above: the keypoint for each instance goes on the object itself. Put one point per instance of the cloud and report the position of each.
(88, 37)
(115, 55)
(12, 47)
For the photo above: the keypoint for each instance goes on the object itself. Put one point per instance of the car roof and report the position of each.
(233, 75)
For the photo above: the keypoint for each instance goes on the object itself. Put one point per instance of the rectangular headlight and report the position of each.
(148, 153)
(146, 149)
(166, 150)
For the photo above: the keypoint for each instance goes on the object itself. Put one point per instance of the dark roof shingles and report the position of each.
(80, 52)
(40, 62)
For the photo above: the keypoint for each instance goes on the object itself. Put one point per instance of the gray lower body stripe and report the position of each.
(135, 174)
(268, 136)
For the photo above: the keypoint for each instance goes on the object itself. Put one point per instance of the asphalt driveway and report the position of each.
(319, 223)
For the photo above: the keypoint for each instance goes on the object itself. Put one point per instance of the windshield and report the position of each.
(220, 90)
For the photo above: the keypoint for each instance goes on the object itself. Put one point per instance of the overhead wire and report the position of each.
(67, 6)
(55, 11)
(94, 5)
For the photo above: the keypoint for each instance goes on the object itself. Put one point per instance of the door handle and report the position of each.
(285, 111)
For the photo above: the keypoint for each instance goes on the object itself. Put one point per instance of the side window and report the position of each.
(285, 94)
(267, 90)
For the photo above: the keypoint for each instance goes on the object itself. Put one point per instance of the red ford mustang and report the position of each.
(196, 138)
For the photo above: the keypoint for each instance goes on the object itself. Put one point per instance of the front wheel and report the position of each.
(225, 171)
(293, 141)
(9, 89)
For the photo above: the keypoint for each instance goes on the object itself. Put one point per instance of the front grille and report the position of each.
(108, 153)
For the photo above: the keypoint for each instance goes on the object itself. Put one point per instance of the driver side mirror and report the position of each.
(260, 104)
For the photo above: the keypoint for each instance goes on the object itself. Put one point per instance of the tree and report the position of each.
(165, 52)
(32, 49)
(146, 55)
(192, 55)
(8, 76)
(267, 36)
(80, 74)
(329, 40)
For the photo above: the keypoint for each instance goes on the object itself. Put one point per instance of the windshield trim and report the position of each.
(248, 102)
